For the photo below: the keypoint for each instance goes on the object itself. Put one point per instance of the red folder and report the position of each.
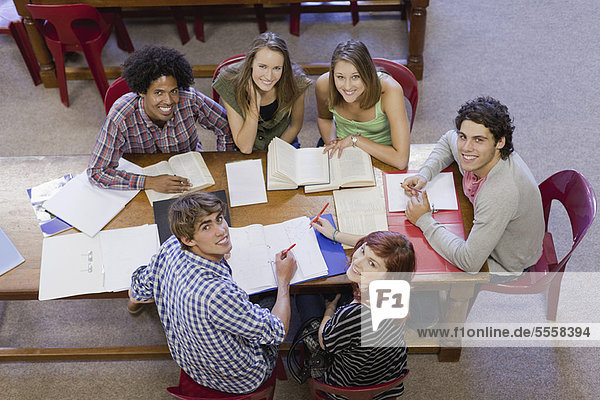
(427, 260)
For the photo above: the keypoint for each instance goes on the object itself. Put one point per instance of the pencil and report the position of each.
(284, 253)
(412, 187)
(319, 214)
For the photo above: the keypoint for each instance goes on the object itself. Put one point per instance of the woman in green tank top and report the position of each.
(362, 108)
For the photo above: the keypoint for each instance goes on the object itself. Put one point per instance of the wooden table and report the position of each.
(416, 14)
(22, 283)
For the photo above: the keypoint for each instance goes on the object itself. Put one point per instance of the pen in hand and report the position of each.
(284, 253)
(319, 214)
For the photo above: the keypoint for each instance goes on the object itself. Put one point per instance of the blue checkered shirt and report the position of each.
(215, 334)
(128, 129)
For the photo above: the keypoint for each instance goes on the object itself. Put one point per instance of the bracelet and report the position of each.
(333, 236)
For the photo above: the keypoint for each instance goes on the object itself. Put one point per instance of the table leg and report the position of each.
(417, 12)
(43, 56)
(459, 296)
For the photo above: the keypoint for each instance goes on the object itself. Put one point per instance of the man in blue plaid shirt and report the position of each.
(216, 335)
(159, 115)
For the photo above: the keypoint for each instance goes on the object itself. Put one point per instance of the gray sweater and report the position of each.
(508, 226)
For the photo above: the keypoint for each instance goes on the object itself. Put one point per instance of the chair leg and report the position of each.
(260, 18)
(552, 297)
(354, 12)
(97, 69)
(295, 19)
(199, 23)
(18, 33)
(61, 76)
(179, 17)
(123, 39)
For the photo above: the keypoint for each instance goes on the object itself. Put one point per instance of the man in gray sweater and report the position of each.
(508, 226)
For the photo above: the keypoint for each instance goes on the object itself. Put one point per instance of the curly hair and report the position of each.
(356, 53)
(150, 63)
(188, 210)
(492, 114)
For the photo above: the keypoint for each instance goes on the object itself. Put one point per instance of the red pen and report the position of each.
(284, 253)
(319, 214)
(414, 188)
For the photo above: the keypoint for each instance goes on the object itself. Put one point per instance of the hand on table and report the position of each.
(167, 183)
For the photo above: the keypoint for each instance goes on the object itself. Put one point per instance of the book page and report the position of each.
(354, 167)
(123, 251)
(312, 166)
(191, 165)
(440, 191)
(251, 267)
(160, 168)
(308, 255)
(360, 211)
(275, 179)
(246, 182)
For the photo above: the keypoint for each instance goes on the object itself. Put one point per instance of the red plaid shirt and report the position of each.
(128, 129)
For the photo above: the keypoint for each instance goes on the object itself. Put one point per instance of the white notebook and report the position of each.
(78, 264)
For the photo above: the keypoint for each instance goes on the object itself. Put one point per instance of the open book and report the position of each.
(353, 169)
(360, 211)
(252, 258)
(289, 167)
(78, 264)
(188, 165)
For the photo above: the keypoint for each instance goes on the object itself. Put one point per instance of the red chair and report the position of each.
(224, 63)
(11, 24)
(188, 389)
(78, 27)
(577, 196)
(320, 390)
(117, 89)
(406, 79)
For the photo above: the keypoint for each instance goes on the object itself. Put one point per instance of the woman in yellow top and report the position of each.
(358, 106)
(263, 94)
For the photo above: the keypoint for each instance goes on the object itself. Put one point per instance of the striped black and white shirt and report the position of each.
(362, 357)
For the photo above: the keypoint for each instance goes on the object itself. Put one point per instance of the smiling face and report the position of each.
(211, 238)
(478, 151)
(364, 260)
(348, 81)
(160, 99)
(267, 68)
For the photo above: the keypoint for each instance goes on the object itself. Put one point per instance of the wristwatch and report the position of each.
(355, 139)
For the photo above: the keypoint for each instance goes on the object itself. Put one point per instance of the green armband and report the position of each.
(333, 236)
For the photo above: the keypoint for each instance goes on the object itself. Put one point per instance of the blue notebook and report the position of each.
(333, 253)
(9, 255)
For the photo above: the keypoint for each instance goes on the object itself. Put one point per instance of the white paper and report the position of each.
(88, 207)
(440, 191)
(252, 258)
(78, 264)
(246, 183)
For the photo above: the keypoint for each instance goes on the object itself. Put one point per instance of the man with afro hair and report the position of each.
(508, 226)
(159, 115)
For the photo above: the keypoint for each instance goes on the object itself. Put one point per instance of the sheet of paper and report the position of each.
(440, 191)
(360, 211)
(88, 207)
(9, 255)
(246, 183)
(124, 250)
